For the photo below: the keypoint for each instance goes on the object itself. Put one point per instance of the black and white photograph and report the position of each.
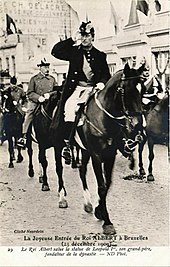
(84, 133)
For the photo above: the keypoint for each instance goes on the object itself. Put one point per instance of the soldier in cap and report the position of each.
(17, 94)
(88, 69)
(18, 98)
(41, 86)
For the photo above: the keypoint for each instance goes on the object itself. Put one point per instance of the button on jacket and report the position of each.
(39, 85)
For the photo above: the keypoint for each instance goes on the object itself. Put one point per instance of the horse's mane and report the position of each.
(115, 79)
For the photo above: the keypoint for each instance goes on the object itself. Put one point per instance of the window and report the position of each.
(7, 63)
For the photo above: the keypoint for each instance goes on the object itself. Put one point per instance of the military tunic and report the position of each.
(67, 50)
(40, 85)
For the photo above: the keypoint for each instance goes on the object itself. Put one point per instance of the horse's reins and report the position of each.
(129, 144)
(45, 113)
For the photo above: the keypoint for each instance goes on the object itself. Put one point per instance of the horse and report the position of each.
(156, 133)
(112, 121)
(41, 124)
(13, 118)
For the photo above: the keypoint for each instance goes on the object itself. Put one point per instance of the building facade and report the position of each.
(42, 23)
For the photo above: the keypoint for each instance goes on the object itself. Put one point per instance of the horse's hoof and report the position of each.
(45, 187)
(109, 229)
(88, 208)
(63, 204)
(31, 173)
(150, 178)
(98, 213)
(40, 179)
(11, 165)
(19, 159)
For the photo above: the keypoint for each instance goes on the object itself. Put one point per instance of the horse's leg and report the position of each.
(150, 177)
(108, 168)
(73, 163)
(40, 173)
(59, 170)
(19, 156)
(11, 152)
(142, 172)
(77, 156)
(44, 163)
(30, 154)
(82, 172)
(103, 186)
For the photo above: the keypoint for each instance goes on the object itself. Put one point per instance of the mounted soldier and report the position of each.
(88, 69)
(40, 88)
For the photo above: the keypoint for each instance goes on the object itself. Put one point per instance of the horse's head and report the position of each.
(129, 98)
(131, 90)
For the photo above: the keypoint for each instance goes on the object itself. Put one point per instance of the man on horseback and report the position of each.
(18, 97)
(40, 88)
(17, 94)
(88, 69)
(152, 91)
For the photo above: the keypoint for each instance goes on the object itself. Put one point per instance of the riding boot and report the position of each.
(66, 154)
(77, 119)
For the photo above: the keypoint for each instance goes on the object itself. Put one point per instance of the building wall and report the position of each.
(132, 42)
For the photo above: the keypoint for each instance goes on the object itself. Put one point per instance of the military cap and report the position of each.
(43, 63)
(86, 28)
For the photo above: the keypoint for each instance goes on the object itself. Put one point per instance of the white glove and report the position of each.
(15, 103)
(100, 86)
(47, 96)
(41, 99)
(76, 36)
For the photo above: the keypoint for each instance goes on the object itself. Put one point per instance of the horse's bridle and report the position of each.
(129, 143)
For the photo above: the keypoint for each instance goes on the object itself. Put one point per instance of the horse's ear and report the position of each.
(126, 69)
(141, 69)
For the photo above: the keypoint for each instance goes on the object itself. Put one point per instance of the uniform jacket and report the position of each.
(39, 85)
(17, 95)
(67, 50)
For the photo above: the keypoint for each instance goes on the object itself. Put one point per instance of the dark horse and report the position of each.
(12, 126)
(156, 133)
(113, 121)
(41, 123)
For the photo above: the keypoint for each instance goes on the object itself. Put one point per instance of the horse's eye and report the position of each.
(139, 87)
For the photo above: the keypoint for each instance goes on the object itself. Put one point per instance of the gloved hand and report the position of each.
(76, 36)
(100, 86)
(47, 96)
(14, 102)
(41, 99)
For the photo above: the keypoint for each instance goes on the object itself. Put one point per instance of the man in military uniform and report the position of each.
(87, 69)
(41, 86)
(18, 98)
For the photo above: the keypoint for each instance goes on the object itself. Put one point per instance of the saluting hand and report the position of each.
(76, 36)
